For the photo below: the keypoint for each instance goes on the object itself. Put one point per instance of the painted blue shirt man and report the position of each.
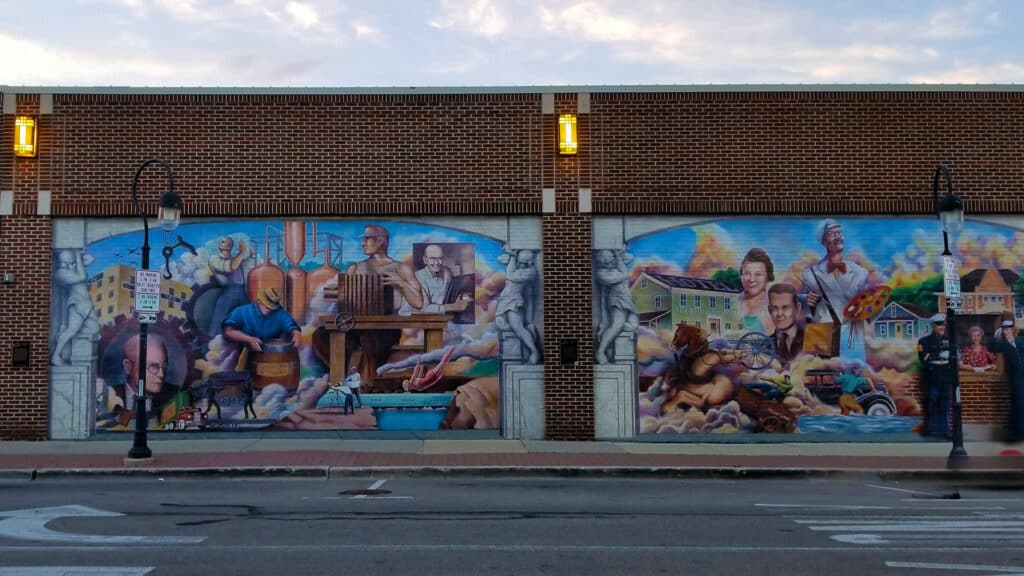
(251, 325)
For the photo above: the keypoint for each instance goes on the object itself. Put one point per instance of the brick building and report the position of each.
(709, 163)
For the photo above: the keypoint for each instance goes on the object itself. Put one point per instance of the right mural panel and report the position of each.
(796, 325)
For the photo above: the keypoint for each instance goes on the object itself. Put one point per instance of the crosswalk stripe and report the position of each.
(971, 567)
(916, 528)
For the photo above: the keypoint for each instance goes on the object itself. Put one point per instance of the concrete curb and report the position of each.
(990, 476)
(1014, 477)
(225, 472)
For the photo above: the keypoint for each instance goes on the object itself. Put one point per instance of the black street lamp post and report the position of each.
(169, 216)
(950, 211)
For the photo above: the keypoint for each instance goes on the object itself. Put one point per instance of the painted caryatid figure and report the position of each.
(615, 303)
(77, 314)
(517, 303)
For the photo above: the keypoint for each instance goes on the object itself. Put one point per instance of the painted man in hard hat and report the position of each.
(398, 275)
(253, 324)
(936, 378)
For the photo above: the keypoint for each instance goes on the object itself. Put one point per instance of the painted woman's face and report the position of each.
(754, 276)
(975, 337)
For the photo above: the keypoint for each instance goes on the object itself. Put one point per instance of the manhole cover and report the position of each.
(365, 492)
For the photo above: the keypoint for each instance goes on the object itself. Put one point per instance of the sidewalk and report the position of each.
(333, 456)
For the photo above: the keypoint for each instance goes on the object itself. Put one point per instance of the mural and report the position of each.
(301, 325)
(796, 324)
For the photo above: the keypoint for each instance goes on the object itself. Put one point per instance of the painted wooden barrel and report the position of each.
(278, 363)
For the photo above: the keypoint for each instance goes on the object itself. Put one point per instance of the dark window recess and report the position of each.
(568, 351)
(21, 353)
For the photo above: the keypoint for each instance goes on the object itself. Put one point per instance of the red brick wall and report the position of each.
(25, 251)
(399, 154)
(24, 399)
(804, 152)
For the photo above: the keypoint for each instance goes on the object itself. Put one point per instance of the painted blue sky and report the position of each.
(123, 249)
(897, 247)
(303, 43)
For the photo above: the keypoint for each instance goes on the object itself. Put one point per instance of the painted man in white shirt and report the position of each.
(434, 279)
(354, 381)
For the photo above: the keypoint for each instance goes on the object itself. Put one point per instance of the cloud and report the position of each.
(713, 252)
(957, 22)
(630, 33)
(943, 23)
(999, 72)
(29, 62)
(479, 42)
(303, 15)
(364, 31)
(465, 62)
(477, 17)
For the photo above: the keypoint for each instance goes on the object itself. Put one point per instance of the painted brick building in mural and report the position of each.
(480, 167)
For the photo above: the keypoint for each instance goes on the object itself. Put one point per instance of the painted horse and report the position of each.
(693, 380)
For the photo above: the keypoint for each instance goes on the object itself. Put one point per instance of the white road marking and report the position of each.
(967, 500)
(931, 538)
(375, 486)
(30, 524)
(825, 506)
(885, 520)
(1005, 527)
(73, 571)
(973, 567)
(903, 490)
(876, 531)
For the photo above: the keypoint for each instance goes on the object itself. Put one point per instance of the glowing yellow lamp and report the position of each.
(567, 142)
(25, 136)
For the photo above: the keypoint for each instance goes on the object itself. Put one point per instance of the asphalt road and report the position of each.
(508, 526)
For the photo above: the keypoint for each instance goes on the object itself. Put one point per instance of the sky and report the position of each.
(458, 43)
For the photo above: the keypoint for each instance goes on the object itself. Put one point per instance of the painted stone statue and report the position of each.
(615, 303)
(517, 303)
(77, 315)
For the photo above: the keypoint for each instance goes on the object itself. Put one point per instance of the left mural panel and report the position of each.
(299, 325)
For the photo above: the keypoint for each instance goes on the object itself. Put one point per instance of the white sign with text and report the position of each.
(147, 291)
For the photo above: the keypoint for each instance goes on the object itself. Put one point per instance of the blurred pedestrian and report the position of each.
(1008, 343)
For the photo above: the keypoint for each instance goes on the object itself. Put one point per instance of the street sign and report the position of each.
(951, 275)
(146, 317)
(147, 291)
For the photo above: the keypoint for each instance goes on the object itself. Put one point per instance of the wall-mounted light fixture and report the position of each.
(25, 136)
(567, 141)
(8, 278)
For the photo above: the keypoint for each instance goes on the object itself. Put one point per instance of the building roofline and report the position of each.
(565, 89)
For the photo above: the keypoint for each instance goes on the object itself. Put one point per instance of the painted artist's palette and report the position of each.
(867, 303)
